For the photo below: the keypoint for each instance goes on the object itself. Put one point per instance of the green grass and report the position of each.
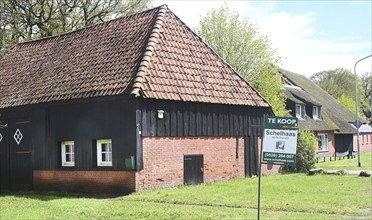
(291, 196)
(347, 164)
(292, 192)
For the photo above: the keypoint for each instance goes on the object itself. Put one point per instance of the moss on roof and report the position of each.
(335, 116)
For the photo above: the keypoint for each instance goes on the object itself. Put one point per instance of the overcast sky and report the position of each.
(311, 35)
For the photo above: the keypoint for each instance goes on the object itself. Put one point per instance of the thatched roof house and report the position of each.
(320, 112)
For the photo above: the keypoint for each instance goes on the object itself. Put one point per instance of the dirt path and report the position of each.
(269, 210)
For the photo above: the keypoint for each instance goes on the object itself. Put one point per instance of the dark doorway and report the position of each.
(193, 169)
(4, 158)
(20, 142)
(343, 143)
(251, 155)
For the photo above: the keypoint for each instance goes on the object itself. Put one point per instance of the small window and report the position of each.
(298, 111)
(322, 142)
(104, 152)
(68, 153)
(316, 112)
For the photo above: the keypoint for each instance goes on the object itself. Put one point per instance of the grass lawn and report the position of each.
(291, 196)
(347, 164)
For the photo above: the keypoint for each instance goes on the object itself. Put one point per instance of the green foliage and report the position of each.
(33, 19)
(305, 157)
(247, 51)
(340, 84)
(367, 85)
(349, 103)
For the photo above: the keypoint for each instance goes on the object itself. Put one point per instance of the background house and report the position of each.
(130, 104)
(321, 113)
(365, 138)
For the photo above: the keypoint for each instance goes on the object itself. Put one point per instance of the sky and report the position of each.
(311, 35)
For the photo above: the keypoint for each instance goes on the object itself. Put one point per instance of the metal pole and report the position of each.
(356, 106)
(259, 170)
(259, 188)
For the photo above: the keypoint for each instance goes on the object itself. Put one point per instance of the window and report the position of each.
(298, 111)
(68, 153)
(315, 112)
(104, 152)
(322, 142)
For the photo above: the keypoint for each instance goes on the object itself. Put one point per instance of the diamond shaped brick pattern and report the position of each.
(18, 136)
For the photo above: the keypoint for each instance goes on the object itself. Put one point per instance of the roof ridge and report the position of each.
(86, 27)
(149, 51)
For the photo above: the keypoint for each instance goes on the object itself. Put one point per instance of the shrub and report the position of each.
(305, 157)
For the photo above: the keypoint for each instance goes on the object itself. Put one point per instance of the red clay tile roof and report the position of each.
(152, 54)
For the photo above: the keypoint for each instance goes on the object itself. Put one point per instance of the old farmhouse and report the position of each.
(126, 105)
(318, 111)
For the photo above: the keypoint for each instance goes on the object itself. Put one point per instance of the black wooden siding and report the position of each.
(251, 155)
(125, 120)
(81, 122)
(183, 119)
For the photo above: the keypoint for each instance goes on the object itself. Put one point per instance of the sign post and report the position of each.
(278, 145)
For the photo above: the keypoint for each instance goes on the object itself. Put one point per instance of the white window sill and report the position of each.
(105, 164)
(68, 164)
(323, 151)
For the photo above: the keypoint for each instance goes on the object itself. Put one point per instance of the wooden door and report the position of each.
(193, 171)
(251, 155)
(20, 145)
(4, 158)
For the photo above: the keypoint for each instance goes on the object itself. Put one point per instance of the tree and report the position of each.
(23, 20)
(340, 84)
(245, 50)
(307, 145)
(349, 103)
(367, 85)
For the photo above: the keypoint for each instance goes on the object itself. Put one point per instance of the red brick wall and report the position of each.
(163, 159)
(365, 142)
(163, 167)
(84, 181)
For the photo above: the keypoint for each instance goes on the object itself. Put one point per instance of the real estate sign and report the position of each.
(280, 140)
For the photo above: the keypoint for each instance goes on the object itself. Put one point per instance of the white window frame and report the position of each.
(315, 112)
(100, 162)
(66, 163)
(321, 138)
(298, 113)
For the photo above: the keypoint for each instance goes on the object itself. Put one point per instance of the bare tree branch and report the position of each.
(22, 20)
